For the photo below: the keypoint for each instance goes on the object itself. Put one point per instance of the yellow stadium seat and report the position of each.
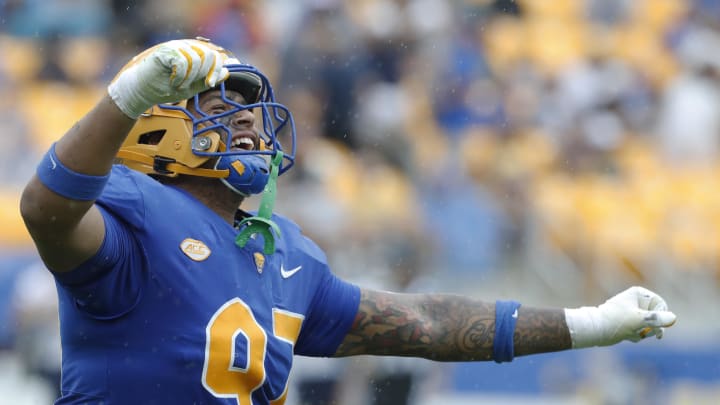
(659, 14)
(394, 204)
(51, 108)
(505, 40)
(22, 58)
(83, 58)
(533, 151)
(479, 151)
(554, 44)
(563, 9)
(691, 239)
(642, 47)
(13, 232)
(336, 163)
(637, 157)
(553, 200)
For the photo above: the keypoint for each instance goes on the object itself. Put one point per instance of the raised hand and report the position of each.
(168, 72)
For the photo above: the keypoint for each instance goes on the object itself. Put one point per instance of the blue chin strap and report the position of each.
(248, 174)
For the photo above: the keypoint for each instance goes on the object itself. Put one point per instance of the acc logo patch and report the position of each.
(195, 249)
(259, 261)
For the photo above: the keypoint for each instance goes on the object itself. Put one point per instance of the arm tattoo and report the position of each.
(445, 328)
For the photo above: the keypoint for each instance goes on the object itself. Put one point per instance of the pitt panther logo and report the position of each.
(259, 261)
(195, 249)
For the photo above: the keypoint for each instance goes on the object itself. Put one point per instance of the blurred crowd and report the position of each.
(445, 140)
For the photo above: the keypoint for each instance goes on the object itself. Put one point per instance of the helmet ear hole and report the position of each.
(152, 138)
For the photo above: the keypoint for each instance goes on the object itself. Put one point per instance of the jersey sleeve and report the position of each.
(109, 284)
(332, 312)
(328, 303)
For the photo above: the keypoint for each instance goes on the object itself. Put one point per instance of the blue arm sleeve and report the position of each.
(107, 285)
(333, 311)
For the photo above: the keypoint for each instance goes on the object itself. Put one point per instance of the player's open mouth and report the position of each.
(243, 142)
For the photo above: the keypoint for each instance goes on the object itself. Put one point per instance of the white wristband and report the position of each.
(125, 95)
(585, 326)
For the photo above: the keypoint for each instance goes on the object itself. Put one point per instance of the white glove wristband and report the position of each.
(633, 315)
(584, 326)
(124, 92)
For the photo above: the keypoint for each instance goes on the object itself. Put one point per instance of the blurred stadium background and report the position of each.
(554, 152)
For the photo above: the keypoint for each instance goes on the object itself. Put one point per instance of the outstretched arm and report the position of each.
(454, 328)
(445, 328)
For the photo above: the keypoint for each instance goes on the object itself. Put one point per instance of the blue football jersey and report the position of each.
(171, 311)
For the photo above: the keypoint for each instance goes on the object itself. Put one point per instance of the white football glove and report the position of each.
(634, 314)
(168, 72)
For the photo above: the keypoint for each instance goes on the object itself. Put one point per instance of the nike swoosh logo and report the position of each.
(288, 273)
(515, 314)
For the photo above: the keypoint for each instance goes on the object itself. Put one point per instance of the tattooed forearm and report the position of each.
(541, 331)
(437, 327)
(445, 328)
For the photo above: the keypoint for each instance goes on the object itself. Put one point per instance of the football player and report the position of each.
(169, 293)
